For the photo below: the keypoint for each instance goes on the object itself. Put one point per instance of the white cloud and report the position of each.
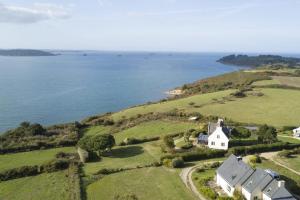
(31, 14)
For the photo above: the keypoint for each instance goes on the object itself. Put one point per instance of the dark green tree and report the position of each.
(267, 134)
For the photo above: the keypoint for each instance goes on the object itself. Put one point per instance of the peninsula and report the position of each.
(24, 52)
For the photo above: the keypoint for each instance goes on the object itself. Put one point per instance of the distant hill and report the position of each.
(24, 52)
(255, 61)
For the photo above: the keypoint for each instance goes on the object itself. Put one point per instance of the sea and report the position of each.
(76, 84)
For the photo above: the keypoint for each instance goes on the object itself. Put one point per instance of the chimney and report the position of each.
(239, 158)
(281, 183)
(220, 122)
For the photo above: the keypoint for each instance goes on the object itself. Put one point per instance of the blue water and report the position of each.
(71, 86)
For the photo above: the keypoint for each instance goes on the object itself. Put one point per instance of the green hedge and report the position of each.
(261, 148)
(238, 142)
(197, 155)
(19, 172)
(132, 140)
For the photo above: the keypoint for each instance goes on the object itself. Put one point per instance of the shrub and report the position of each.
(215, 165)
(240, 132)
(187, 145)
(19, 172)
(169, 141)
(205, 190)
(254, 159)
(177, 163)
(55, 165)
(97, 143)
(132, 140)
(167, 162)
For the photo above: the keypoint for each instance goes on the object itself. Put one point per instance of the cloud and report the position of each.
(35, 13)
(220, 11)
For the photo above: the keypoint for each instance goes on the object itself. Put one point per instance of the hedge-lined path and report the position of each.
(186, 177)
(271, 155)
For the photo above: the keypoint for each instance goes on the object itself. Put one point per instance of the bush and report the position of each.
(55, 165)
(177, 163)
(261, 148)
(237, 142)
(203, 154)
(187, 145)
(169, 141)
(240, 132)
(19, 172)
(167, 162)
(205, 190)
(97, 143)
(215, 165)
(254, 159)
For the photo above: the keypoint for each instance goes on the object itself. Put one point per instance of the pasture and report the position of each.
(50, 186)
(146, 184)
(9, 161)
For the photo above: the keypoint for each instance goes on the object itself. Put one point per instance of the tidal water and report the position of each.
(72, 86)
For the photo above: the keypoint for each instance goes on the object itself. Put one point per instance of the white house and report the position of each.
(254, 184)
(218, 135)
(232, 173)
(296, 132)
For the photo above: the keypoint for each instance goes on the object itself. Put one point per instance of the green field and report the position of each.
(127, 156)
(293, 162)
(93, 130)
(147, 184)
(266, 82)
(277, 107)
(181, 104)
(154, 128)
(9, 161)
(287, 80)
(52, 186)
(288, 139)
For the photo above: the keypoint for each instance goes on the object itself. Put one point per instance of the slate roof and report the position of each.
(277, 193)
(203, 137)
(212, 127)
(234, 171)
(259, 179)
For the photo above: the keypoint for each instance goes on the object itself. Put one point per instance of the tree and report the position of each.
(267, 134)
(97, 143)
(169, 142)
(240, 132)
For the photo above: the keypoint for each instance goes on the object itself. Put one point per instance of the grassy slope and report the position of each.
(167, 106)
(9, 161)
(154, 128)
(278, 107)
(266, 82)
(288, 139)
(128, 156)
(46, 186)
(287, 80)
(150, 183)
(293, 162)
(93, 130)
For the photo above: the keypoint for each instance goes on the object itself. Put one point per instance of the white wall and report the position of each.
(218, 137)
(246, 194)
(224, 185)
(265, 197)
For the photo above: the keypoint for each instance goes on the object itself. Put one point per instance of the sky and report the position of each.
(152, 25)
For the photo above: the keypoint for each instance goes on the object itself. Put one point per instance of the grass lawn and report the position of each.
(278, 107)
(127, 156)
(288, 139)
(287, 80)
(266, 82)
(93, 130)
(292, 179)
(154, 128)
(168, 106)
(52, 186)
(147, 184)
(9, 161)
(293, 162)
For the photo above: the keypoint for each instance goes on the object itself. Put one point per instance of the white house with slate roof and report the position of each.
(254, 184)
(218, 135)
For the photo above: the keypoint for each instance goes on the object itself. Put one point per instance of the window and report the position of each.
(222, 144)
(212, 143)
(218, 136)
